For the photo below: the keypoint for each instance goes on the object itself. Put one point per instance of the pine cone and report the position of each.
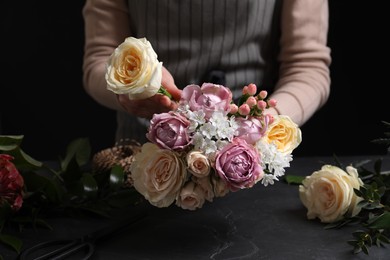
(120, 154)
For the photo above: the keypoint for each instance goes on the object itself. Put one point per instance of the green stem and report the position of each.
(164, 92)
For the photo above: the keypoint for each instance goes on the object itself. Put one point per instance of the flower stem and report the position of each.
(164, 92)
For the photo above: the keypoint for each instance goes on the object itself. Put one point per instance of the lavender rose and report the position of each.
(209, 98)
(169, 131)
(11, 183)
(238, 163)
(250, 129)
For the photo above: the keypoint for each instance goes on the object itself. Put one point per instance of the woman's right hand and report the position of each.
(156, 104)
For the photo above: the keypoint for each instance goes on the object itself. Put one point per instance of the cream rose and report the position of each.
(158, 174)
(133, 69)
(328, 193)
(220, 187)
(191, 197)
(205, 184)
(198, 164)
(284, 133)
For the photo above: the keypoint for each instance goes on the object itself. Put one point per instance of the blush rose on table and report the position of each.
(354, 196)
(329, 195)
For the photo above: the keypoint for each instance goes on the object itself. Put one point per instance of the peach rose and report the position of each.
(328, 193)
(133, 69)
(191, 197)
(158, 174)
(284, 133)
(198, 164)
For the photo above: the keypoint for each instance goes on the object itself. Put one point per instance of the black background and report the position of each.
(42, 96)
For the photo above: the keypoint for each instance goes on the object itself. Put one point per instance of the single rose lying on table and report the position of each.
(354, 196)
(209, 146)
(328, 194)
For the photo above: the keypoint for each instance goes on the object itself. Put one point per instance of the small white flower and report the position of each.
(198, 141)
(209, 146)
(208, 130)
(268, 179)
(273, 160)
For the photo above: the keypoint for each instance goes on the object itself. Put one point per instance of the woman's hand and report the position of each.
(157, 104)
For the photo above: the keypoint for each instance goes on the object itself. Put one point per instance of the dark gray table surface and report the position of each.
(257, 223)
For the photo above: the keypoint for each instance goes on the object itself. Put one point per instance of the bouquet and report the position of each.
(209, 145)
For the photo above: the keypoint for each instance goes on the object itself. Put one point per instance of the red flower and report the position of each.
(11, 183)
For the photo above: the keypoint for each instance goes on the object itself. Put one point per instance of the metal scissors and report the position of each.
(85, 245)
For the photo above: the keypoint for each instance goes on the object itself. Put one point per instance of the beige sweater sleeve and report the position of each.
(106, 26)
(304, 82)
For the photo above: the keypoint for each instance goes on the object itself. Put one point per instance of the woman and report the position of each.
(281, 46)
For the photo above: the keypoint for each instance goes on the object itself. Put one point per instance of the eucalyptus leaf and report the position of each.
(11, 241)
(380, 222)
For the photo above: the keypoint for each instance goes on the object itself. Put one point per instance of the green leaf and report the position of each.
(10, 140)
(8, 147)
(72, 171)
(79, 149)
(294, 179)
(12, 241)
(52, 189)
(365, 249)
(117, 177)
(90, 186)
(11, 144)
(380, 222)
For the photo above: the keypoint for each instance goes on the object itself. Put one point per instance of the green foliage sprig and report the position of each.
(67, 187)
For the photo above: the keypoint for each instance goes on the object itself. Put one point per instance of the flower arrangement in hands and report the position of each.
(209, 145)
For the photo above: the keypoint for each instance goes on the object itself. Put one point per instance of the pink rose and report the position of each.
(238, 163)
(169, 131)
(11, 183)
(209, 98)
(250, 129)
